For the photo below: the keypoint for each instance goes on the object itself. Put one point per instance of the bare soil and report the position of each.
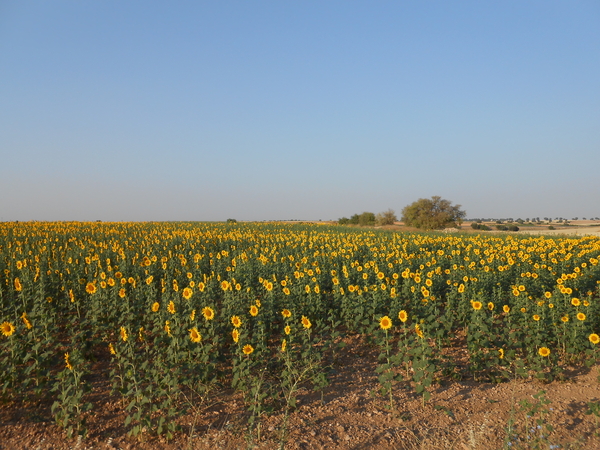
(347, 414)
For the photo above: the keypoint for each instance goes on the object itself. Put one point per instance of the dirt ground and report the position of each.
(348, 414)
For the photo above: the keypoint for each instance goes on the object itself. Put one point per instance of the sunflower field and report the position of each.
(163, 313)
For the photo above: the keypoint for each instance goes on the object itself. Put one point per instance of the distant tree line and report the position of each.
(370, 219)
(429, 214)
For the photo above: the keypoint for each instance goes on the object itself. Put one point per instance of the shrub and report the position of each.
(386, 218)
(366, 218)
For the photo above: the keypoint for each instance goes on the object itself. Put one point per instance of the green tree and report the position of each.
(366, 218)
(431, 214)
(386, 218)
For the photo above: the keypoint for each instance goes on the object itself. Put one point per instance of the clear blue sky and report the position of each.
(256, 110)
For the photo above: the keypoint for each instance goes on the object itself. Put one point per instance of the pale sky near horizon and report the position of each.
(262, 110)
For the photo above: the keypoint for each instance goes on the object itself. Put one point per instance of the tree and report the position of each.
(386, 218)
(431, 214)
(366, 218)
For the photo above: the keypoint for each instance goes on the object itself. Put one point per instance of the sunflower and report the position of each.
(490, 306)
(268, 287)
(18, 286)
(283, 345)
(208, 313)
(565, 319)
(168, 327)
(67, 362)
(385, 323)
(506, 309)
(307, 289)
(544, 351)
(536, 317)
(403, 316)
(123, 333)
(122, 293)
(235, 335)
(575, 302)
(248, 349)
(155, 306)
(419, 331)
(236, 321)
(7, 329)
(149, 279)
(476, 305)
(287, 329)
(286, 313)
(581, 316)
(111, 349)
(187, 293)
(501, 353)
(594, 338)
(171, 307)
(253, 311)
(91, 288)
(194, 335)
(193, 315)
(306, 322)
(26, 321)
(548, 294)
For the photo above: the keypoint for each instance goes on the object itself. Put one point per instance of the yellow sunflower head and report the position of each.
(91, 288)
(195, 336)
(306, 322)
(7, 329)
(208, 313)
(385, 323)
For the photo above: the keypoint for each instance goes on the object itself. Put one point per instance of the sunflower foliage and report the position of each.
(387, 369)
(69, 407)
(156, 302)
